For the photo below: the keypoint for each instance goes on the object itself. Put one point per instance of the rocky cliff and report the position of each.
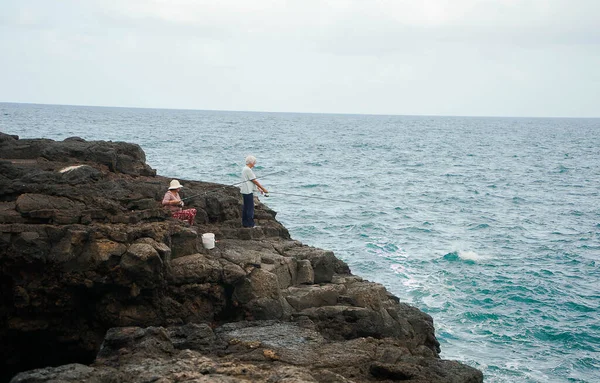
(98, 284)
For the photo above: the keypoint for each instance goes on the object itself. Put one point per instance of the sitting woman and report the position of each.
(173, 201)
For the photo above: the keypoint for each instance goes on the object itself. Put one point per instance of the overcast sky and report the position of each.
(426, 57)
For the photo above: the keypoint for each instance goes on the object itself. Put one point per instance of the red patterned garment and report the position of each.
(186, 215)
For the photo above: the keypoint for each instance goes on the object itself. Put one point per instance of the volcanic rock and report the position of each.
(100, 284)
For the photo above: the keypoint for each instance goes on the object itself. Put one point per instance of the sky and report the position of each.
(419, 57)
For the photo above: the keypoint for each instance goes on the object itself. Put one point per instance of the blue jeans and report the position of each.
(248, 210)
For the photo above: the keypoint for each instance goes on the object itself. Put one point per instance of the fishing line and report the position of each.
(308, 196)
(266, 195)
(226, 186)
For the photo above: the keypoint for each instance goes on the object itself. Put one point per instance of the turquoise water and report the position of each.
(491, 225)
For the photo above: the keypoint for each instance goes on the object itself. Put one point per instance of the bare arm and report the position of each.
(260, 187)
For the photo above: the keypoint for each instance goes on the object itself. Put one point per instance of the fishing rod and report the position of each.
(226, 186)
(308, 196)
(267, 194)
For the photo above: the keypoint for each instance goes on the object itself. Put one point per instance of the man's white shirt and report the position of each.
(247, 186)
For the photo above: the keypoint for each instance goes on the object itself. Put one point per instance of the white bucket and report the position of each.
(208, 240)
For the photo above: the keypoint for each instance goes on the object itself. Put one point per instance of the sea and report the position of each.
(490, 225)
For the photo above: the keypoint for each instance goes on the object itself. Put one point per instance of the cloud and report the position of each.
(385, 56)
(508, 17)
(364, 24)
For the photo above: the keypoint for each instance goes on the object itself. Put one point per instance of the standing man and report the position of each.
(248, 187)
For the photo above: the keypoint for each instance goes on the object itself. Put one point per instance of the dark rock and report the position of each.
(8, 137)
(142, 263)
(74, 139)
(52, 209)
(304, 297)
(143, 204)
(323, 262)
(259, 284)
(305, 273)
(67, 373)
(184, 242)
(125, 342)
(259, 351)
(192, 336)
(195, 268)
(82, 174)
(23, 149)
(232, 273)
(400, 371)
(89, 259)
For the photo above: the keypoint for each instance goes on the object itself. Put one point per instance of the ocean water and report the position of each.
(490, 225)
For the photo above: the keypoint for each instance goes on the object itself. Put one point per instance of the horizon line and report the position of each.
(288, 112)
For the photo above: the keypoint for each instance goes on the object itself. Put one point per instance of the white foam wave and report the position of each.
(471, 256)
